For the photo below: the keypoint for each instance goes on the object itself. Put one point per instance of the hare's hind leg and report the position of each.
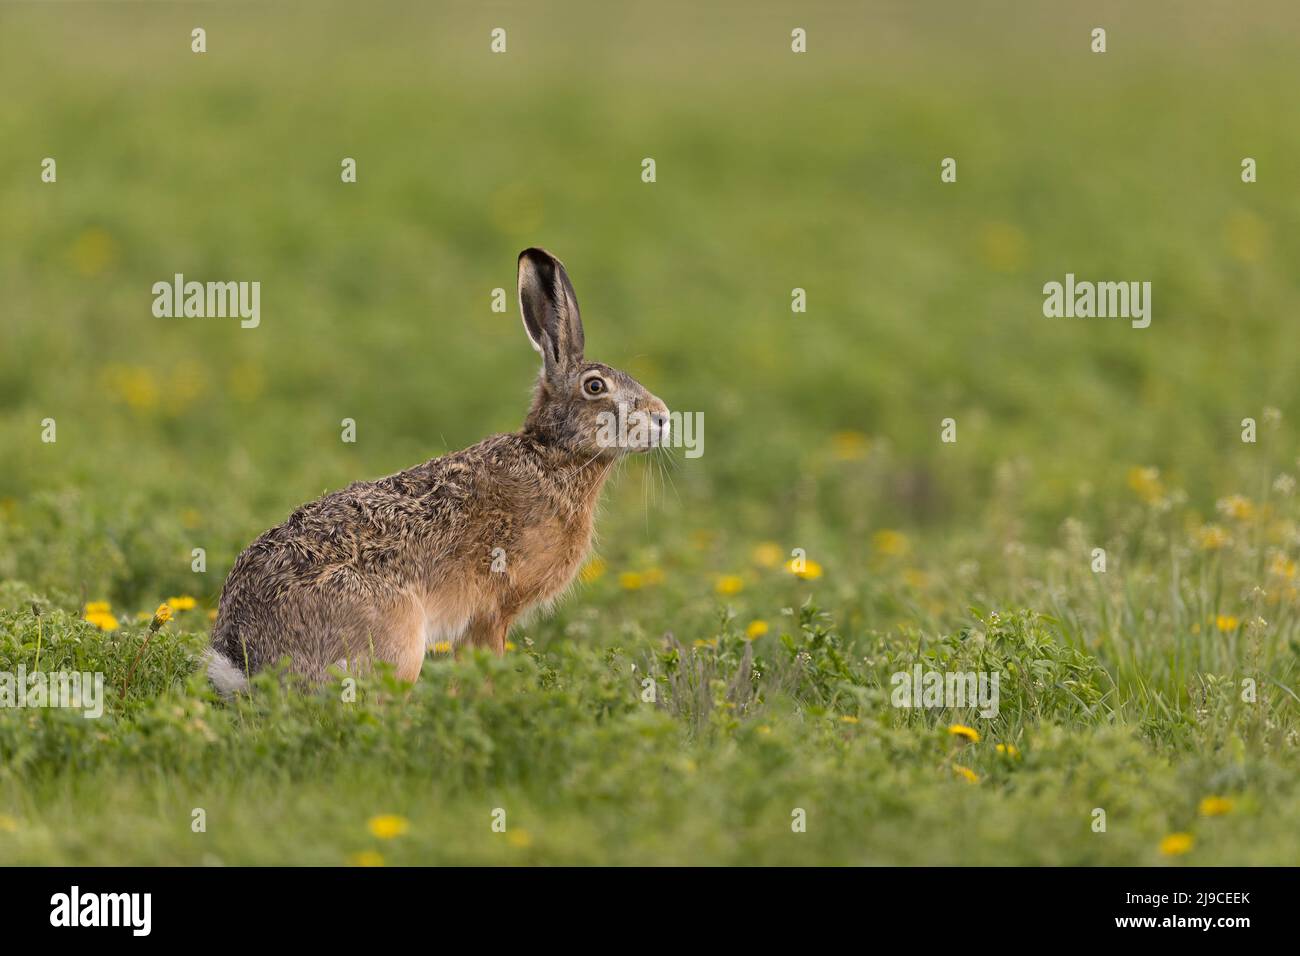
(490, 632)
(397, 636)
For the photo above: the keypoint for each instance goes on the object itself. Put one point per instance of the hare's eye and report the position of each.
(594, 386)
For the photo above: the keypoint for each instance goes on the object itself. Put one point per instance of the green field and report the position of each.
(1128, 691)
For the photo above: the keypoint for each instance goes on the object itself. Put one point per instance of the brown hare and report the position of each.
(453, 549)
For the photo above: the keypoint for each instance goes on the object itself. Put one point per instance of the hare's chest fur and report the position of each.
(547, 556)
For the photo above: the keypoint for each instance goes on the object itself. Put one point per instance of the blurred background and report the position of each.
(774, 171)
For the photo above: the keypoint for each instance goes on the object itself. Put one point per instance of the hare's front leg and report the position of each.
(490, 632)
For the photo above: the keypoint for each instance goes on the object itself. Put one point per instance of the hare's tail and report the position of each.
(225, 675)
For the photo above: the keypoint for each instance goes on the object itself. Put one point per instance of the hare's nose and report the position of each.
(659, 419)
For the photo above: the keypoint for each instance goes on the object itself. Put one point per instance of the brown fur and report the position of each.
(382, 569)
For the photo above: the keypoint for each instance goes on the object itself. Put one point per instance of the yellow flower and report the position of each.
(1146, 483)
(703, 539)
(728, 584)
(1011, 750)
(711, 642)
(847, 719)
(1211, 538)
(163, 614)
(1176, 844)
(756, 629)
(1216, 806)
(961, 730)
(519, 838)
(102, 620)
(1245, 235)
(366, 858)
(966, 773)
(94, 251)
(510, 645)
(630, 581)
(442, 647)
(592, 570)
(811, 569)
(132, 384)
(182, 603)
(890, 543)
(388, 826)
(1226, 622)
(1282, 567)
(1236, 507)
(246, 382)
(767, 554)
(849, 446)
(1003, 246)
(98, 607)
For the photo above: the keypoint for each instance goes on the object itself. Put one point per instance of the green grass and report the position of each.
(1122, 691)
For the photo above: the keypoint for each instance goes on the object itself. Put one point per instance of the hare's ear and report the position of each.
(550, 310)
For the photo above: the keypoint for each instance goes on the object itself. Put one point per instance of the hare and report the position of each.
(451, 550)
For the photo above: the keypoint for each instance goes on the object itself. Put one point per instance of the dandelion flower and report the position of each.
(442, 647)
(630, 581)
(1226, 623)
(767, 554)
(366, 858)
(729, 584)
(1010, 750)
(98, 607)
(1216, 806)
(388, 826)
(592, 570)
(890, 543)
(1146, 484)
(1282, 567)
(805, 569)
(849, 446)
(756, 629)
(1212, 538)
(163, 614)
(703, 539)
(848, 719)
(1236, 507)
(1003, 246)
(94, 251)
(967, 733)
(1176, 844)
(182, 603)
(966, 773)
(102, 620)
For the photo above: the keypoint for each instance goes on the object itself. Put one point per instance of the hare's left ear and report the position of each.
(550, 310)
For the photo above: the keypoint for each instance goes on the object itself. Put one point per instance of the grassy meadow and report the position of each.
(1162, 691)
